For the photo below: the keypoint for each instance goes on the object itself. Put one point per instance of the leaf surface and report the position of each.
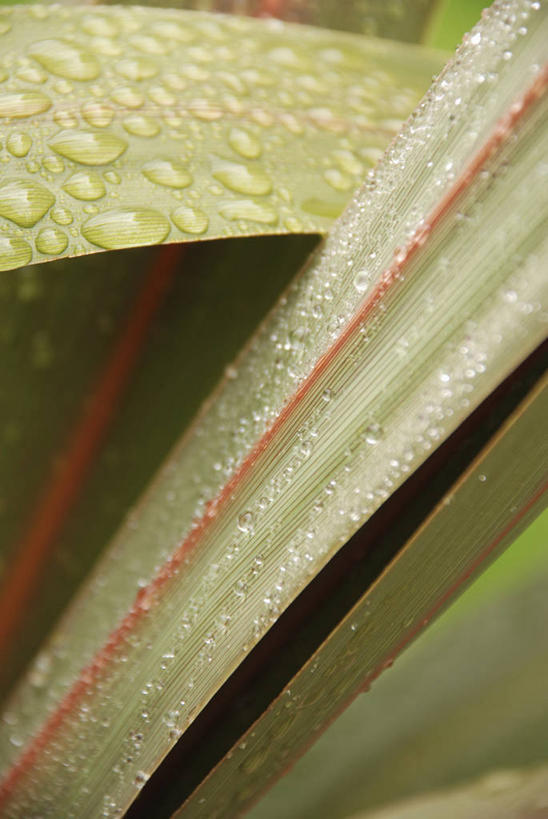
(126, 127)
(314, 427)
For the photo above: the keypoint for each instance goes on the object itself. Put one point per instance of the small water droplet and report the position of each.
(97, 114)
(373, 434)
(167, 172)
(127, 227)
(140, 778)
(61, 216)
(362, 280)
(51, 241)
(128, 96)
(85, 185)
(141, 125)
(245, 522)
(190, 220)
(19, 143)
(249, 179)
(244, 143)
(137, 68)
(248, 209)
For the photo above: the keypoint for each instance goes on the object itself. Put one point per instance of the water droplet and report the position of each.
(14, 252)
(97, 25)
(127, 227)
(338, 180)
(140, 125)
(112, 177)
(250, 179)
(244, 143)
(19, 143)
(24, 202)
(87, 147)
(85, 185)
(23, 104)
(161, 96)
(128, 96)
(245, 522)
(51, 241)
(167, 172)
(190, 220)
(373, 434)
(32, 73)
(65, 60)
(140, 778)
(137, 68)
(97, 114)
(61, 216)
(248, 209)
(53, 164)
(361, 280)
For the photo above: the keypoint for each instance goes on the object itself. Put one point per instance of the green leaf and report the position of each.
(127, 127)
(404, 321)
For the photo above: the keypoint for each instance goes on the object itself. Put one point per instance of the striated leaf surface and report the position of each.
(408, 317)
(128, 126)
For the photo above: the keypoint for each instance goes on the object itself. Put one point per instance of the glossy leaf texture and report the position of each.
(374, 356)
(130, 127)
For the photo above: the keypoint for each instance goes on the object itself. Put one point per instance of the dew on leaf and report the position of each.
(126, 227)
(244, 143)
(88, 147)
(52, 241)
(128, 96)
(18, 143)
(190, 220)
(141, 125)
(247, 209)
(65, 60)
(23, 104)
(97, 114)
(14, 252)
(167, 172)
(85, 185)
(61, 216)
(137, 68)
(24, 202)
(249, 179)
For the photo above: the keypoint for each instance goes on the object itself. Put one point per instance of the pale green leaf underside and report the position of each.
(130, 126)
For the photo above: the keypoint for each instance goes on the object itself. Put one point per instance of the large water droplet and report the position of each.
(244, 143)
(51, 241)
(248, 209)
(127, 227)
(236, 176)
(337, 179)
(23, 104)
(85, 185)
(140, 125)
(24, 202)
(190, 220)
(137, 68)
(167, 172)
(65, 60)
(87, 147)
(18, 143)
(14, 252)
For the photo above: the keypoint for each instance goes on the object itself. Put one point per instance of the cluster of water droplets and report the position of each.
(369, 414)
(127, 127)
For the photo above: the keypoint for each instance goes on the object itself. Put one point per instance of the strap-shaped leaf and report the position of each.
(130, 127)
(423, 313)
